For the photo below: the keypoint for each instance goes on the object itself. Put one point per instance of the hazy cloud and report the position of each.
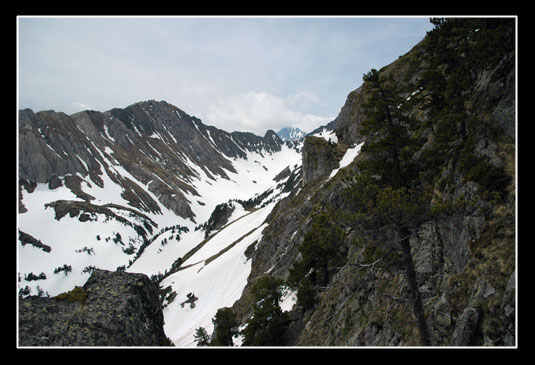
(235, 73)
(255, 110)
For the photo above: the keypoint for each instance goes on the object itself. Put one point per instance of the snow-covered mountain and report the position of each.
(136, 189)
(291, 134)
(209, 214)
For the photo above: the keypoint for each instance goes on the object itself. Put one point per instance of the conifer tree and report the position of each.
(320, 252)
(201, 337)
(459, 49)
(268, 322)
(225, 327)
(387, 194)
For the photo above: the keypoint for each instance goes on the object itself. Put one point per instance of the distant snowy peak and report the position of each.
(291, 134)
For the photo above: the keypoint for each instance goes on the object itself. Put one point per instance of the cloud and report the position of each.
(249, 74)
(78, 105)
(301, 97)
(254, 111)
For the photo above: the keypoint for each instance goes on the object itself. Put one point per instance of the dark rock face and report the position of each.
(464, 259)
(218, 218)
(25, 239)
(319, 158)
(121, 309)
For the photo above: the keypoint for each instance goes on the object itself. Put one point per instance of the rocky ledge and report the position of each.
(111, 309)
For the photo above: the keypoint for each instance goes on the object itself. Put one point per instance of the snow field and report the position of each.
(217, 284)
(65, 237)
(254, 176)
(156, 258)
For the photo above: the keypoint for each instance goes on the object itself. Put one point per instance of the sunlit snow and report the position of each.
(329, 136)
(349, 156)
(216, 283)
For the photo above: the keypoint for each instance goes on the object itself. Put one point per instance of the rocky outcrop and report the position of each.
(111, 309)
(463, 258)
(50, 145)
(25, 239)
(218, 218)
(320, 157)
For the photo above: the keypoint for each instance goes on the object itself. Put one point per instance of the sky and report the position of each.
(235, 73)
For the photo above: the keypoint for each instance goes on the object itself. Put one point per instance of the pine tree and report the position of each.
(320, 252)
(459, 49)
(201, 337)
(268, 322)
(390, 145)
(387, 194)
(225, 327)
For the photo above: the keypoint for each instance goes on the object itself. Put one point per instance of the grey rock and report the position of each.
(121, 309)
(319, 159)
(466, 327)
(442, 317)
(509, 309)
(54, 182)
(218, 218)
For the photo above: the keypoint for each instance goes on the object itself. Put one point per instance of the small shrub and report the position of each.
(65, 268)
(78, 294)
(225, 327)
(491, 178)
(167, 342)
(31, 276)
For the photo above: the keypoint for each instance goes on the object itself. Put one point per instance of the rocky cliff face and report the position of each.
(155, 142)
(111, 309)
(319, 158)
(464, 258)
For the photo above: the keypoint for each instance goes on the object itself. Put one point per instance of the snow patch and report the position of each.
(107, 134)
(329, 136)
(349, 156)
(289, 298)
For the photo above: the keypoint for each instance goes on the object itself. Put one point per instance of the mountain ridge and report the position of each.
(318, 245)
(127, 176)
(129, 134)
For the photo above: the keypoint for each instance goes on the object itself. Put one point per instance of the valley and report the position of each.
(110, 219)
(393, 225)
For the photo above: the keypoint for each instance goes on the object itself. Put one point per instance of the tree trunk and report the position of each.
(325, 273)
(425, 338)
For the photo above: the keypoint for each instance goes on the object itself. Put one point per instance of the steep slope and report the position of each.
(155, 142)
(215, 274)
(456, 96)
(107, 190)
(335, 229)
